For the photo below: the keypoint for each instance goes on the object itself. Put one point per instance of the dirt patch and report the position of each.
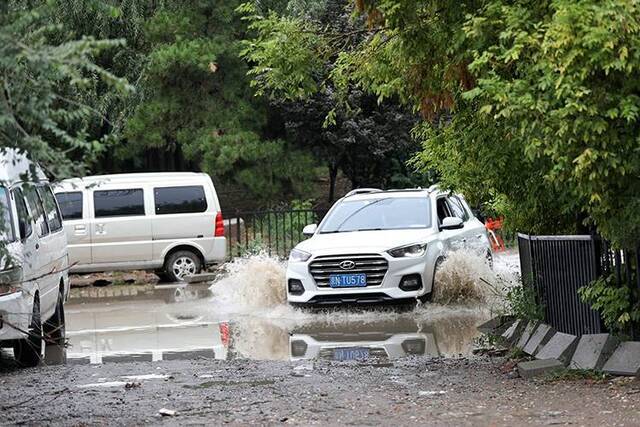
(411, 391)
(115, 278)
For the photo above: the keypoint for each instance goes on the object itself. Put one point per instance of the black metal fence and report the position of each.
(275, 232)
(557, 266)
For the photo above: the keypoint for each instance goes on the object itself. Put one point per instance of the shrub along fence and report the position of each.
(557, 266)
(274, 231)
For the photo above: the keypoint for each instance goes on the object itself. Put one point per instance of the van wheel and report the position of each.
(54, 328)
(28, 351)
(181, 264)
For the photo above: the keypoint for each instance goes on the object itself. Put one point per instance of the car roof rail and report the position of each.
(362, 191)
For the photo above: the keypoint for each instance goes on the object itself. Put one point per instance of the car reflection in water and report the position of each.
(363, 340)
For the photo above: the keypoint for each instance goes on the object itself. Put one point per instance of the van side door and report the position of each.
(45, 251)
(77, 226)
(120, 229)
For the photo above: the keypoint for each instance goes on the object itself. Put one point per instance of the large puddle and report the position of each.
(244, 316)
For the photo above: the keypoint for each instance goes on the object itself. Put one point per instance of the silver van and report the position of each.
(34, 282)
(169, 222)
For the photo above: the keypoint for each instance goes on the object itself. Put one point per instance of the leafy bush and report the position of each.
(521, 303)
(614, 303)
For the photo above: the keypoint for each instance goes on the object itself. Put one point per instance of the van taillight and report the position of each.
(219, 225)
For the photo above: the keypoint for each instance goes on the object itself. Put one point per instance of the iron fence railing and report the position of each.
(274, 231)
(557, 266)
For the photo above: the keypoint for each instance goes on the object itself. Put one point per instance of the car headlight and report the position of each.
(297, 255)
(410, 251)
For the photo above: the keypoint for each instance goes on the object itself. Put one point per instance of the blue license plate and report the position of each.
(353, 353)
(357, 280)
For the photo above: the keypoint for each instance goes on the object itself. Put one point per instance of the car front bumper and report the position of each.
(388, 291)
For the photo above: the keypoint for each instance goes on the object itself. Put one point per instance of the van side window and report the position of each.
(37, 210)
(7, 231)
(70, 204)
(51, 208)
(118, 202)
(24, 222)
(175, 200)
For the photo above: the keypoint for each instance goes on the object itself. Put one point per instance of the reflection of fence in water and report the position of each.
(274, 231)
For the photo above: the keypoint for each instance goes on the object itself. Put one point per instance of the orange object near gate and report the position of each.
(494, 229)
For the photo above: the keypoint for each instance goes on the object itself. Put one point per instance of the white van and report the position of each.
(169, 222)
(34, 282)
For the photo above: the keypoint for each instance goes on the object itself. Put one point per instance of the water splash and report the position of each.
(255, 286)
(465, 277)
(256, 281)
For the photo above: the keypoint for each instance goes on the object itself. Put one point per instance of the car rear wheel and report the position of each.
(181, 264)
(28, 351)
(54, 328)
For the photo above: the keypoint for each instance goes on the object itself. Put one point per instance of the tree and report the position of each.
(43, 109)
(343, 126)
(196, 106)
(531, 107)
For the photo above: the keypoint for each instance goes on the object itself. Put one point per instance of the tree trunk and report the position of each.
(333, 176)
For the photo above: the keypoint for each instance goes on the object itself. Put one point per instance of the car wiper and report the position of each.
(357, 211)
(370, 229)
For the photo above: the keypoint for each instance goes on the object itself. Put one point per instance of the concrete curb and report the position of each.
(554, 350)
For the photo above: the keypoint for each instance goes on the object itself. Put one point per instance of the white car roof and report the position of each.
(130, 178)
(380, 194)
(15, 167)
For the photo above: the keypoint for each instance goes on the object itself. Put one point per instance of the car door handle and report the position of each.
(80, 230)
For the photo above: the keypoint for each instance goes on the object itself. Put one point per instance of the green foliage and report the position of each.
(290, 56)
(528, 107)
(562, 78)
(281, 68)
(614, 303)
(196, 104)
(521, 303)
(45, 109)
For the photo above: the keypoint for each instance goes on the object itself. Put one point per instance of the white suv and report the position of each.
(377, 246)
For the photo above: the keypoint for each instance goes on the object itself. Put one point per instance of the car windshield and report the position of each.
(6, 226)
(391, 213)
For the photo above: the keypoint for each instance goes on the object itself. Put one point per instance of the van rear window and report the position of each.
(118, 202)
(175, 200)
(70, 204)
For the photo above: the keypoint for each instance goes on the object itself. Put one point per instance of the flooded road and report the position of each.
(244, 317)
(178, 322)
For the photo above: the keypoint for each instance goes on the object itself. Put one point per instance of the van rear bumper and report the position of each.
(218, 252)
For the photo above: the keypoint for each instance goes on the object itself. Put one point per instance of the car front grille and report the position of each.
(373, 265)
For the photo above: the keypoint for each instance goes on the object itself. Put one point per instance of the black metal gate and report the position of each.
(557, 266)
(275, 232)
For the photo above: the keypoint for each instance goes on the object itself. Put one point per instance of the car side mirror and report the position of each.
(309, 230)
(451, 223)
